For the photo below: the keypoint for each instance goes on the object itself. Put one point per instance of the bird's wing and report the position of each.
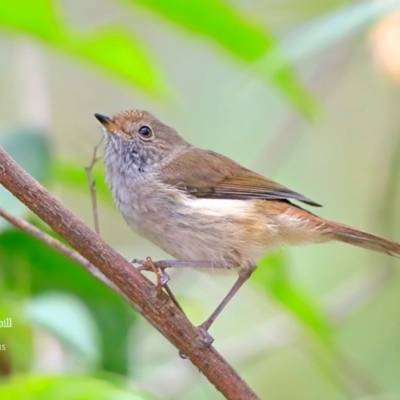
(218, 177)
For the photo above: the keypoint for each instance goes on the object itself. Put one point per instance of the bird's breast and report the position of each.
(229, 232)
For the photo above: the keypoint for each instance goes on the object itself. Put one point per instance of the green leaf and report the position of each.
(74, 175)
(272, 278)
(17, 340)
(38, 18)
(69, 319)
(218, 21)
(42, 387)
(31, 150)
(116, 50)
(110, 48)
(28, 265)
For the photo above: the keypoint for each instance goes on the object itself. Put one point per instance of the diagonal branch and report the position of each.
(155, 307)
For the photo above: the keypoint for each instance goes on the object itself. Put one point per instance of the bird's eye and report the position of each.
(145, 132)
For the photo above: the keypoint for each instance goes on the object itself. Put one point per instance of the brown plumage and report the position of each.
(204, 208)
(346, 234)
(219, 177)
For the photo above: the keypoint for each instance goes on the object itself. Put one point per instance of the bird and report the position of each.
(206, 210)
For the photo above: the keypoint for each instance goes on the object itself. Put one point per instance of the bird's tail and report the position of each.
(344, 233)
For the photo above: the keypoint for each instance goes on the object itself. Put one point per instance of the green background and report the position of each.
(288, 88)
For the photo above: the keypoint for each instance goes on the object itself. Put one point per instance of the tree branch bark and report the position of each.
(155, 306)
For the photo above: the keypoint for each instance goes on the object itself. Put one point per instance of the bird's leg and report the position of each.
(205, 338)
(187, 264)
(162, 277)
(205, 326)
(160, 266)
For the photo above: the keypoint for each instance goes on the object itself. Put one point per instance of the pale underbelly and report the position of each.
(227, 232)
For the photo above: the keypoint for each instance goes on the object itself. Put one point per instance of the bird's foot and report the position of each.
(156, 267)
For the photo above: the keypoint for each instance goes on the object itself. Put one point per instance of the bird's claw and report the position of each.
(204, 338)
(151, 266)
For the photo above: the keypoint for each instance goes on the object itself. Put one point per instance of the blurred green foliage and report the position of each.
(46, 270)
(273, 277)
(23, 387)
(119, 52)
(43, 290)
(110, 48)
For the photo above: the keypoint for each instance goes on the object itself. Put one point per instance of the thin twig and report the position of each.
(158, 310)
(92, 186)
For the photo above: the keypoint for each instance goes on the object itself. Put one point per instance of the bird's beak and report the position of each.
(107, 122)
(110, 126)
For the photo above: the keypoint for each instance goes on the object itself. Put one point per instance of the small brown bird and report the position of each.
(205, 209)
